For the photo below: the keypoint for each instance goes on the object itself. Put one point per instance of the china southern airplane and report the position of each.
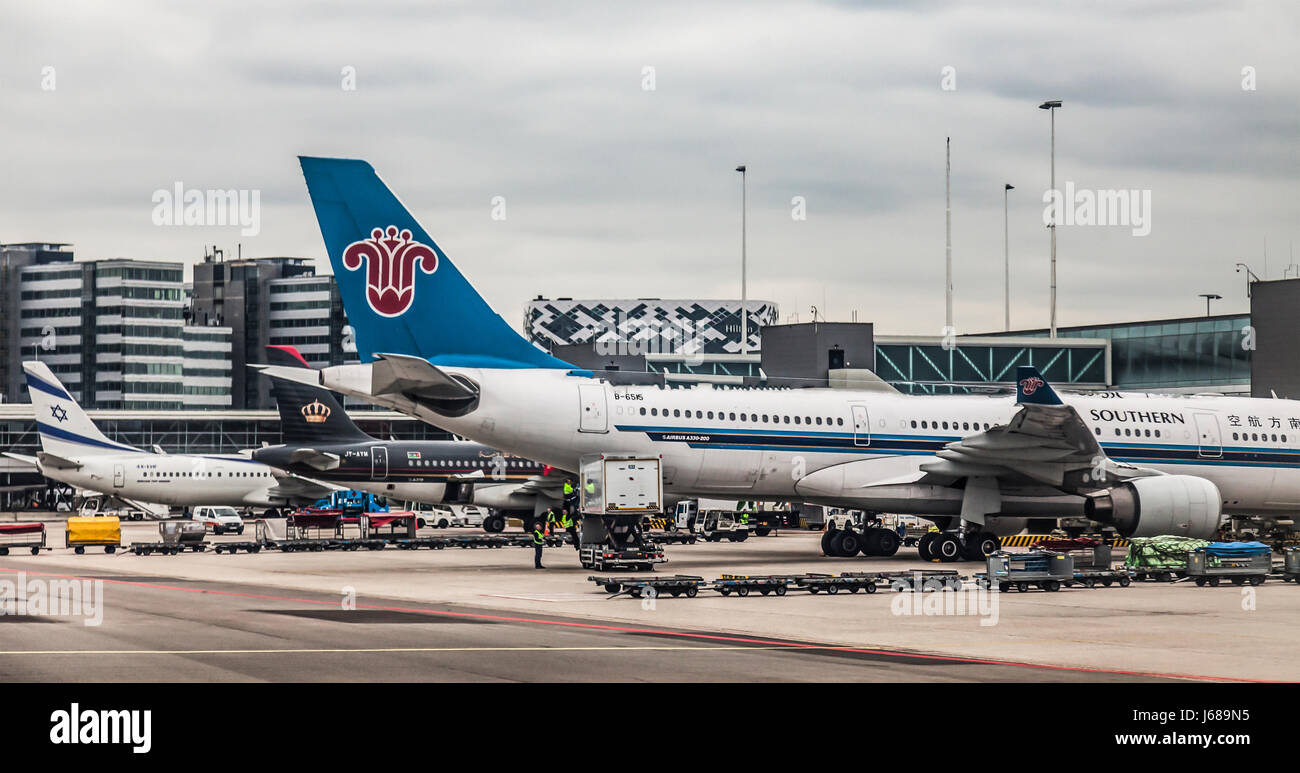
(320, 441)
(978, 466)
(75, 452)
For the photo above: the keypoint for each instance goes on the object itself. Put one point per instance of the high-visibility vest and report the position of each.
(591, 487)
(568, 488)
(565, 521)
(538, 539)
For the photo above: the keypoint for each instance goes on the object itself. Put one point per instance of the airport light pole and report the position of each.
(1050, 106)
(947, 239)
(1250, 276)
(1210, 297)
(744, 294)
(1006, 256)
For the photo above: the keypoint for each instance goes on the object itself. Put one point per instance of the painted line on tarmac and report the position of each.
(698, 636)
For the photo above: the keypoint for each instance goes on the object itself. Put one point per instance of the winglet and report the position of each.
(1033, 389)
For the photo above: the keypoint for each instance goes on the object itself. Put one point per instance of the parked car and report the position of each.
(219, 519)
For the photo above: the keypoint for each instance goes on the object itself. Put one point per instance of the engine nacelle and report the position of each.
(1181, 505)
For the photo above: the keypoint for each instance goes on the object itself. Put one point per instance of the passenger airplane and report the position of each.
(978, 466)
(320, 441)
(75, 452)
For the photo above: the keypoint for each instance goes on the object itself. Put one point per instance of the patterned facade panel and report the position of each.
(648, 326)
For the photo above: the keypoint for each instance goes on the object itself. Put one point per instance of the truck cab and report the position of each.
(219, 520)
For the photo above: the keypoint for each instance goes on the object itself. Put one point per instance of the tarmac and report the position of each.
(487, 615)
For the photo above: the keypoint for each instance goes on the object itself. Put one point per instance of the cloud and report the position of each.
(613, 190)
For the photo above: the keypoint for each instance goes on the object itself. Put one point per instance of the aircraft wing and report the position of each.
(1046, 442)
(320, 460)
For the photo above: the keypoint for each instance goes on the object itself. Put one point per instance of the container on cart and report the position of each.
(93, 531)
(1038, 568)
(1238, 562)
(22, 536)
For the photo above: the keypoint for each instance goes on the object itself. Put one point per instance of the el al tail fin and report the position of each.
(309, 414)
(65, 429)
(401, 292)
(1033, 389)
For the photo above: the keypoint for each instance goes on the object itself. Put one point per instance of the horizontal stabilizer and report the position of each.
(320, 460)
(416, 377)
(56, 462)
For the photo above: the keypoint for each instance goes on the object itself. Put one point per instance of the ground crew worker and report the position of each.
(570, 497)
(539, 541)
(569, 525)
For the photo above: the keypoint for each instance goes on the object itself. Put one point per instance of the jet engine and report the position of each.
(1181, 505)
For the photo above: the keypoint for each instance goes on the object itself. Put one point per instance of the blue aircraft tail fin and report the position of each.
(1033, 389)
(401, 293)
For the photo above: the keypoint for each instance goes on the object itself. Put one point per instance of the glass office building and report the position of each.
(1188, 354)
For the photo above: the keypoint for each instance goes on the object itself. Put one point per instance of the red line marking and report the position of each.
(665, 632)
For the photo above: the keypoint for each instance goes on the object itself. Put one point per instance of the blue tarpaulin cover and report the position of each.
(1236, 549)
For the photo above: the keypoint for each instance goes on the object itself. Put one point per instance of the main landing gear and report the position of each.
(842, 543)
(950, 546)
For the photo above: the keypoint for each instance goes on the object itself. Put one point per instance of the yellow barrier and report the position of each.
(1026, 540)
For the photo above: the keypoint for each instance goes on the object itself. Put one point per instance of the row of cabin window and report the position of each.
(750, 417)
(1258, 436)
(1133, 433)
(964, 425)
(470, 463)
(156, 474)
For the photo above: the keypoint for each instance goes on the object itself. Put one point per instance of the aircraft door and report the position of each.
(119, 476)
(1208, 443)
(378, 462)
(592, 416)
(861, 426)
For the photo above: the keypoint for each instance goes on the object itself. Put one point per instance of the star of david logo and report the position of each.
(57, 412)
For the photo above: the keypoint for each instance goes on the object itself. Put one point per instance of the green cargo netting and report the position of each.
(1166, 552)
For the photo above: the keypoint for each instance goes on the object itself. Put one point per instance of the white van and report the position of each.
(219, 519)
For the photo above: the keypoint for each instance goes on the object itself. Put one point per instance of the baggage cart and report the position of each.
(177, 536)
(1040, 569)
(22, 536)
(1291, 566)
(1239, 564)
(675, 585)
(852, 582)
(741, 584)
(1090, 578)
(924, 580)
(94, 531)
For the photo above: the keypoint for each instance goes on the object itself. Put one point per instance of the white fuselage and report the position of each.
(181, 480)
(759, 443)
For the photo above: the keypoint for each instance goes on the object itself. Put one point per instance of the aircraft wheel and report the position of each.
(924, 547)
(887, 542)
(828, 542)
(871, 543)
(850, 543)
(982, 545)
(947, 548)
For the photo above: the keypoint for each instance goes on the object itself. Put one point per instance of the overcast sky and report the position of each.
(613, 190)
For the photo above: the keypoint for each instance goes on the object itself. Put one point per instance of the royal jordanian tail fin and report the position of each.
(66, 431)
(401, 293)
(308, 414)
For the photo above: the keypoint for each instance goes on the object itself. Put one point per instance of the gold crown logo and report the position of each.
(315, 412)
